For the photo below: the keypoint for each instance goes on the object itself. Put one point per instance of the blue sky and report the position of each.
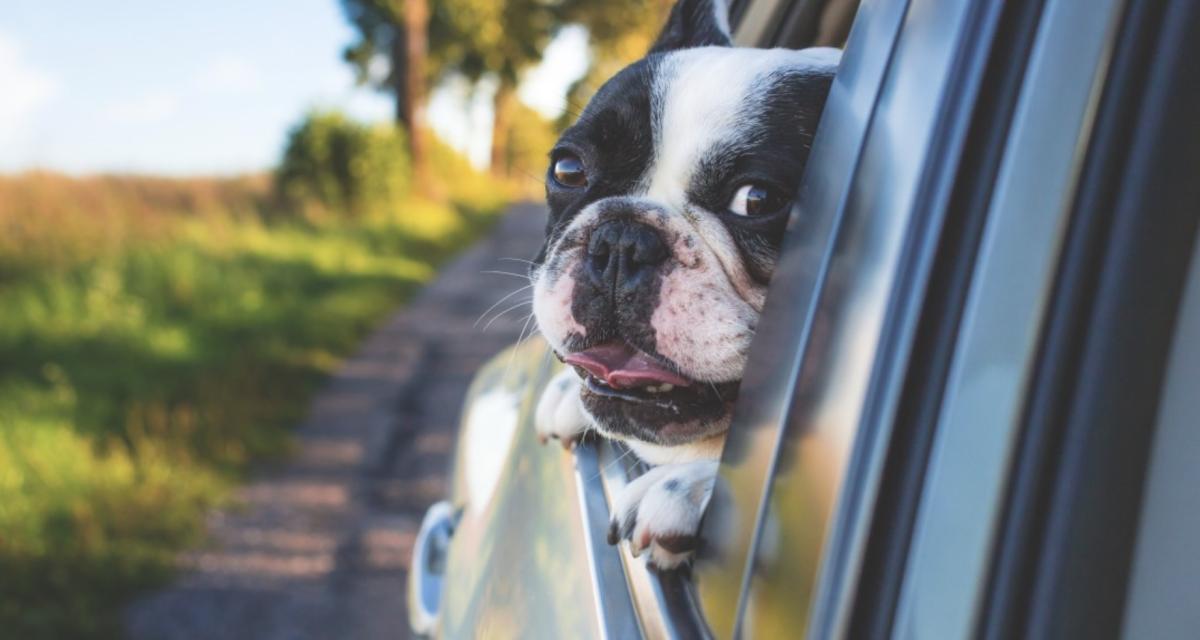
(191, 87)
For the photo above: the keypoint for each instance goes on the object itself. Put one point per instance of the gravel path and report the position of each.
(319, 547)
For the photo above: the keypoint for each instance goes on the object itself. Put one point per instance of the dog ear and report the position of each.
(695, 23)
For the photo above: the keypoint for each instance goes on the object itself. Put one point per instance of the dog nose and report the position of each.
(623, 254)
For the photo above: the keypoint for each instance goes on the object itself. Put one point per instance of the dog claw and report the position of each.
(678, 543)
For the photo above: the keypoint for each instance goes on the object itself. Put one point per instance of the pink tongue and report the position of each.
(620, 366)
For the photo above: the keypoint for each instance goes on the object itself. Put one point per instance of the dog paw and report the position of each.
(659, 512)
(559, 413)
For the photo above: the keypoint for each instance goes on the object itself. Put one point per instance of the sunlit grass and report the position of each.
(140, 375)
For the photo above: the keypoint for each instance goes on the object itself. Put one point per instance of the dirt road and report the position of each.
(318, 547)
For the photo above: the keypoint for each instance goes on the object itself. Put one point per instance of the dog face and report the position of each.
(669, 199)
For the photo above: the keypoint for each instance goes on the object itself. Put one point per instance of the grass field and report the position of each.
(156, 336)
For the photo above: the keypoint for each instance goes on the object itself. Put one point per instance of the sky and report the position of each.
(191, 87)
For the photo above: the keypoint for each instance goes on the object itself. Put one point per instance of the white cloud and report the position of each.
(145, 108)
(228, 73)
(25, 88)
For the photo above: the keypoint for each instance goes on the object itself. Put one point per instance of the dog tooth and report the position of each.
(667, 386)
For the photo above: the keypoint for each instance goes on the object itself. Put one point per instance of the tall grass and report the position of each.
(156, 336)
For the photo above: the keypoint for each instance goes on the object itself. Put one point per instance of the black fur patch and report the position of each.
(613, 138)
(770, 147)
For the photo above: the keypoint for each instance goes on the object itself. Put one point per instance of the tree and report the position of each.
(503, 38)
(399, 28)
(498, 39)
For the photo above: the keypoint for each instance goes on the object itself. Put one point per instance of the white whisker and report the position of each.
(609, 465)
(513, 353)
(522, 260)
(501, 314)
(506, 273)
(489, 309)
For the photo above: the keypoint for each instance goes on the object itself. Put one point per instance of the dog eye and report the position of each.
(568, 171)
(756, 200)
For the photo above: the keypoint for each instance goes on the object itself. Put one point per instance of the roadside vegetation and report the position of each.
(157, 335)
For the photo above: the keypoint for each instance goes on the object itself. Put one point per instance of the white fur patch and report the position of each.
(707, 449)
(552, 298)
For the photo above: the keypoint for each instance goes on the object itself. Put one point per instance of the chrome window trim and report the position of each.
(613, 601)
(663, 601)
(943, 590)
(631, 601)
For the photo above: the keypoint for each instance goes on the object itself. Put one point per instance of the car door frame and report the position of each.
(1056, 472)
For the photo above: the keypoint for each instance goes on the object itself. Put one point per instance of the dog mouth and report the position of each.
(618, 371)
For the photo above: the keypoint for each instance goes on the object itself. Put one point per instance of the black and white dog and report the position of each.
(669, 199)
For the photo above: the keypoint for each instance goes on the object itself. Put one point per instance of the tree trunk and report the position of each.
(415, 28)
(400, 77)
(502, 112)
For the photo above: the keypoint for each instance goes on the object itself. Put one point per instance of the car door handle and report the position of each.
(429, 567)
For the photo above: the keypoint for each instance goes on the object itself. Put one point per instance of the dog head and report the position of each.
(669, 198)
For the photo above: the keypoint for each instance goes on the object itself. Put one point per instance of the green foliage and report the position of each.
(343, 165)
(502, 38)
(137, 383)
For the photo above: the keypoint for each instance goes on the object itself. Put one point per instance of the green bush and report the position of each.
(339, 165)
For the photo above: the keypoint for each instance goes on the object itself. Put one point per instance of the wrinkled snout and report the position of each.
(623, 255)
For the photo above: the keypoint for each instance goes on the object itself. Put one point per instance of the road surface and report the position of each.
(319, 546)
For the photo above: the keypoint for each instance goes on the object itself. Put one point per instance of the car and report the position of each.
(970, 409)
